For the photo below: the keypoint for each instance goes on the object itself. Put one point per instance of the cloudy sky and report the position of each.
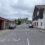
(14, 9)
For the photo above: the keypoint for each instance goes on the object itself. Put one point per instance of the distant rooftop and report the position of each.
(2, 18)
(40, 6)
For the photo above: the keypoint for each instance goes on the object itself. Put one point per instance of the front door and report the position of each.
(1, 24)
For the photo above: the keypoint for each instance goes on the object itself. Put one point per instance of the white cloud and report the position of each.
(18, 8)
(31, 3)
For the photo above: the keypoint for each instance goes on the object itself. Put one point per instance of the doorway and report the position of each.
(1, 24)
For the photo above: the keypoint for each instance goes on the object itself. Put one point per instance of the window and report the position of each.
(37, 23)
(41, 23)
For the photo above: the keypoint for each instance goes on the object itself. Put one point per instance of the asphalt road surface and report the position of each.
(22, 35)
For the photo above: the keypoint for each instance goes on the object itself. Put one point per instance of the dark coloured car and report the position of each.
(30, 25)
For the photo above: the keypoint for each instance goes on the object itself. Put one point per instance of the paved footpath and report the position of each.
(22, 35)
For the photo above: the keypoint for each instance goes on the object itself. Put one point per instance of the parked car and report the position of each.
(30, 25)
(12, 26)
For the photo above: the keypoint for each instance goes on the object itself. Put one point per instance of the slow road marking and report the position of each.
(2, 40)
(8, 40)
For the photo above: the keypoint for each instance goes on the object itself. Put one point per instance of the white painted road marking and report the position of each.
(28, 41)
(8, 40)
(17, 39)
(2, 40)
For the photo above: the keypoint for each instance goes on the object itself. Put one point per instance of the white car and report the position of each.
(12, 26)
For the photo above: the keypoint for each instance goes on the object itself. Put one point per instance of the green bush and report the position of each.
(19, 22)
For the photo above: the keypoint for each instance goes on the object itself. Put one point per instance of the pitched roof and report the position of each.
(40, 6)
(4, 19)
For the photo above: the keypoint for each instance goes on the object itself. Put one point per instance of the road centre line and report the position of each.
(28, 41)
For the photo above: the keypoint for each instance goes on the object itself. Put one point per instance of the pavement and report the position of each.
(4, 31)
(42, 30)
(22, 35)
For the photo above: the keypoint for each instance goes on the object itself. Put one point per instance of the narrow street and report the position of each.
(23, 35)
